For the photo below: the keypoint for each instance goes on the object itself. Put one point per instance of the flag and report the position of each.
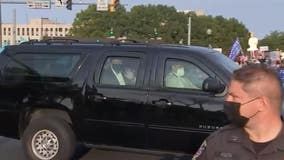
(236, 49)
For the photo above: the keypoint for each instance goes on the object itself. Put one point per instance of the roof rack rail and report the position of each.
(125, 41)
(70, 41)
(29, 42)
(128, 40)
(60, 40)
(52, 40)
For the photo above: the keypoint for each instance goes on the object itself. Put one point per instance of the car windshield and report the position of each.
(225, 62)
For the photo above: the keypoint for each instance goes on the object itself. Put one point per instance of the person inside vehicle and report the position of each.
(176, 78)
(113, 72)
(130, 76)
(253, 105)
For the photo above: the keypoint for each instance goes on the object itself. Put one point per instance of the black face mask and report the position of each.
(232, 110)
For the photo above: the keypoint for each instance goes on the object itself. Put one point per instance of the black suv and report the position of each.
(54, 94)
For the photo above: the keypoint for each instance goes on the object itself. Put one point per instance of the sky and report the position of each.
(260, 16)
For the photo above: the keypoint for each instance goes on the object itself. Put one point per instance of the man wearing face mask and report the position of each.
(176, 78)
(130, 76)
(253, 105)
(113, 73)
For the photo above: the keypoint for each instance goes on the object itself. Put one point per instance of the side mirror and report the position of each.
(213, 85)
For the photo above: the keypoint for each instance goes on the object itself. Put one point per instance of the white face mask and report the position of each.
(129, 74)
(180, 72)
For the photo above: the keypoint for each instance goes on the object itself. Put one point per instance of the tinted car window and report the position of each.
(224, 62)
(50, 65)
(183, 74)
(121, 71)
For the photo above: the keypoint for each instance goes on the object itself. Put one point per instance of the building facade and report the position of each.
(36, 29)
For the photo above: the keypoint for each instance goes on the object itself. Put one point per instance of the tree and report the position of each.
(224, 32)
(91, 23)
(150, 22)
(146, 22)
(275, 40)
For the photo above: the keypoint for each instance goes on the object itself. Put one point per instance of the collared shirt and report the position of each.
(233, 143)
(172, 80)
(119, 77)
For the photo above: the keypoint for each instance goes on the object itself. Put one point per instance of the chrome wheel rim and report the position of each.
(45, 144)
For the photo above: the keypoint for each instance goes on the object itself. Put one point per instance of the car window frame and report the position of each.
(124, 54)
(37, 52)
(161, 62)
(187, 63)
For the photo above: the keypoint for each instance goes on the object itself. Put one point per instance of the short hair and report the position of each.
(254, 75)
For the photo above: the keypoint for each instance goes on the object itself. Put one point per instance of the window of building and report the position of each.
(37, 33)
(23, 31)
(46, 31)
(33, 33)
(28, 31)
(9, 31)
(18, 31)
(5, 32)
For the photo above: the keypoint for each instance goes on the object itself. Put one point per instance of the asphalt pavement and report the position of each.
(11, 149)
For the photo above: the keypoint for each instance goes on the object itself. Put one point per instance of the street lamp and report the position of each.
(189, 31)
(209, 32)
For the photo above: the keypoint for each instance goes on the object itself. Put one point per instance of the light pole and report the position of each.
(209, 32)
(189, 31)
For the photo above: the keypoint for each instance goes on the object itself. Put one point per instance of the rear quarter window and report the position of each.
(43, 65)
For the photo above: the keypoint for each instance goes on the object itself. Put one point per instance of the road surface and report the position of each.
(11, 149)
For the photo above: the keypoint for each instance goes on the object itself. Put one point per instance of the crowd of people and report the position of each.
(243, 59)
(277, 62)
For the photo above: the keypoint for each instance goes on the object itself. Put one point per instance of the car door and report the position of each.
(116, 99)
(9, 98)
(180, 115)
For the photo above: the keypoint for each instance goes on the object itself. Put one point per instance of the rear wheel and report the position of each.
(49, 139)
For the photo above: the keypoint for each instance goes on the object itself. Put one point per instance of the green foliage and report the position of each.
(146, 22)
(275, 41)
(150, 21)
(91, 23)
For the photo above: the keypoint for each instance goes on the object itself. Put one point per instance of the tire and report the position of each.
(48, 139)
